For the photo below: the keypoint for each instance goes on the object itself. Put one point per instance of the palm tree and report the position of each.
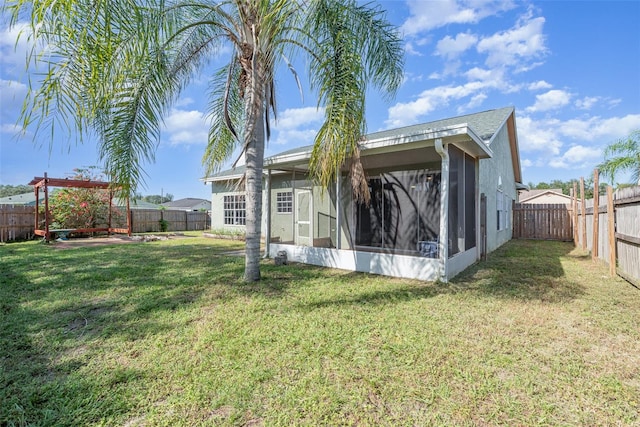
(116, 68)
(621, 155)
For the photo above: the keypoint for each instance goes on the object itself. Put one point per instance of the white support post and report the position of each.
(443, 240)
(338, 210)
(267, 237)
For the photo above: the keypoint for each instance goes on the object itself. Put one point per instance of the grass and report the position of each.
(164, 333)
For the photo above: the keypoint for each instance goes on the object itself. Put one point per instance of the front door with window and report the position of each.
(303, 218)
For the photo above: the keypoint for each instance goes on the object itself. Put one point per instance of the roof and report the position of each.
(480, 127)
(20, 199)
(188, 202)
(485, 124)
(527, 197)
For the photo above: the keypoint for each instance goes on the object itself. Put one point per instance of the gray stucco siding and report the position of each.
(499, 167)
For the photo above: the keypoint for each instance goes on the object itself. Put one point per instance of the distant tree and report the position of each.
(567, 186)
(12, 190)
(623, 155)
(158, 199)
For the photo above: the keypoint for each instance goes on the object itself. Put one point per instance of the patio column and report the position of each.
(267, 237)
(338, 210)
(443, 240)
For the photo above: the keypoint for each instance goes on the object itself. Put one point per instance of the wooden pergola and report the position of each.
(46, 182)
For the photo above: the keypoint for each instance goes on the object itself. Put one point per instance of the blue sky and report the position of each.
(570, 68)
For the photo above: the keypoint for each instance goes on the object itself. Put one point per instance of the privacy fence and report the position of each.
(607, 225)
(17, 222)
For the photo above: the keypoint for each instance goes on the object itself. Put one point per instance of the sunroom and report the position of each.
(440, 199)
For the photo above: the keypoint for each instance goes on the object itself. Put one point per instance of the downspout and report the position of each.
(267, 237)
(443, 240)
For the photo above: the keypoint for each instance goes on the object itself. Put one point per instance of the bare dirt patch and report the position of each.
(84, 242)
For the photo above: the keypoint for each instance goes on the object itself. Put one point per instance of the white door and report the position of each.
(303, 218)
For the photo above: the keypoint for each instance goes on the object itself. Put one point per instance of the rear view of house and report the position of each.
(441, 196)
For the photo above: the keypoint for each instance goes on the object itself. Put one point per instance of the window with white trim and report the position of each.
(235, 210)
(284, 202)
(502, 208)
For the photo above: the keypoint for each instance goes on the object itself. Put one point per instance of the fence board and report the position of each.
(17, 221)
(542, 221)
(627, 201)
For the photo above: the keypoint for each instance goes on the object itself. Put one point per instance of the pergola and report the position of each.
(46, 182)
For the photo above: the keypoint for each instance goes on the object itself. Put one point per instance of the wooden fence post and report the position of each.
(575, 213)
(596, 215)
(584, 215)
(611, 213)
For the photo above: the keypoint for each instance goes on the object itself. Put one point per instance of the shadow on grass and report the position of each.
(59, 307)
(520, 270)
(524, 269)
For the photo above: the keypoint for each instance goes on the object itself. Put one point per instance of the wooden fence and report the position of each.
(17, 222)
(542, 221)
(148, 220)
(612, 231)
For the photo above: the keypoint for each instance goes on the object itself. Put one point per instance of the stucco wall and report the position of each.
(499, 166)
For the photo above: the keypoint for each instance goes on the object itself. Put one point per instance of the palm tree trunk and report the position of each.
(254, 157)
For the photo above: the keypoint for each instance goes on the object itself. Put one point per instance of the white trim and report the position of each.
(409, 267)
(297, 221)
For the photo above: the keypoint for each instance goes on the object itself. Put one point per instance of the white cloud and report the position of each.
(517, 47)
(585, 137)
(587, 102)
(550, 100)
(539, 85)
(601, 130)
(293, 118)
(12, 93)
(526, 163)
(427, 15)
(538, 135)
(298, 126)
(408, 113)
(186, 127)
(578, 156)
(183, 102)
(452, 47)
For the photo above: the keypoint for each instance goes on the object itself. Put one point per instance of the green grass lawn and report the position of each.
(164, 333)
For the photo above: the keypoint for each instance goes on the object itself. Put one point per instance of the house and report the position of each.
(25, 199)
(441, 197)
(548, 196)
(188, 204)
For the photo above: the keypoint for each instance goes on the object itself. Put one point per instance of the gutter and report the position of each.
(443, 240)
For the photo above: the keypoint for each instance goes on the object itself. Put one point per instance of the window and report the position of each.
(235, 212)
(284, 202)
(502, 207)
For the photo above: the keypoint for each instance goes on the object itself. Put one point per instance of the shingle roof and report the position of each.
(485, 124)
(184, 203)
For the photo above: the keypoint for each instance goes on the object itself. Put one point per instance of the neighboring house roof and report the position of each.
(529, 193)
(481, 127)
(188, 203)
(136, 204)
(28, 199)
(546, 196)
